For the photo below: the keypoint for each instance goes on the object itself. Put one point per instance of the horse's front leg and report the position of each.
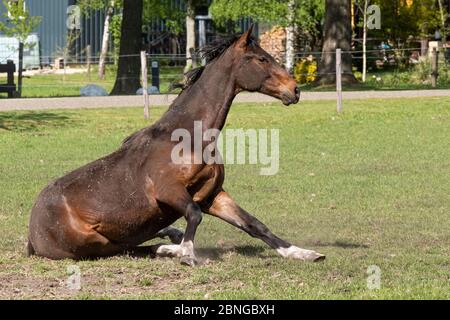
(180, 200)
(225, 208)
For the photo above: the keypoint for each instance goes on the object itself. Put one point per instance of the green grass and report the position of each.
(369, 187)
(59, 85)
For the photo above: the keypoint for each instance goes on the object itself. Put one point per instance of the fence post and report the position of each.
(88, 57)
(10, 79)
(339, 79)
(20, 70)
(144, 83)
(434, 68)
(155, 74)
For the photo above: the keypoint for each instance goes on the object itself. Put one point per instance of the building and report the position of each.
(53, 29)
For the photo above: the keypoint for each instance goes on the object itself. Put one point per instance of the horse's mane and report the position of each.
(208, 54)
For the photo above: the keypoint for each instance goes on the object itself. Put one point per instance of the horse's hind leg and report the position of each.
(175, 235)
(224, 207)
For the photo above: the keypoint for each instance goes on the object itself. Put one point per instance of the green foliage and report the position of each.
(20, 23)
(271, 11)
(400, 21)
(305, 71)
(116, 31)
(87, 6)
(415, 76)
(166, 10)
(308, 13)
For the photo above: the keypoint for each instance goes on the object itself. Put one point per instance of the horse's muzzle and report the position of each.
(289, 97)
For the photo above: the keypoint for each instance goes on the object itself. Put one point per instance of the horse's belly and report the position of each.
(136, 227)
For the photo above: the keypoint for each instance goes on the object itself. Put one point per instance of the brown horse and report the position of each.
(118, 202)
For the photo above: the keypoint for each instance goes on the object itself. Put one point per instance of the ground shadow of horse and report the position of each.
(205, 253)
(30, 121)
(341, 244)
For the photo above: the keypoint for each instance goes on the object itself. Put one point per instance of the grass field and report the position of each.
(58, 85)
(369, 187)
(69, 85)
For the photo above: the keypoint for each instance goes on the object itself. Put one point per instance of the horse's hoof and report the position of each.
(188, 261)
(294, 252)
(317, 257)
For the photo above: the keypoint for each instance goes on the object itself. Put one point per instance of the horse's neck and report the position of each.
(210, 97)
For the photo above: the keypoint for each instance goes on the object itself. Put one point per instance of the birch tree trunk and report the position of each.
(443, 18)
(364, 71)
(290, 37)
(105, 41)
(190, 33)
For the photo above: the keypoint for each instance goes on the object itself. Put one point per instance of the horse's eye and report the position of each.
(262, 59)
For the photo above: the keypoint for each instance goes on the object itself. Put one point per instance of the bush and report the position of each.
(305, 71)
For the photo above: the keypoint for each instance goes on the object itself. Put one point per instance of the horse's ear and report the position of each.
(246, 37)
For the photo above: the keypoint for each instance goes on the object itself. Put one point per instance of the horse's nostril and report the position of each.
(297, 91)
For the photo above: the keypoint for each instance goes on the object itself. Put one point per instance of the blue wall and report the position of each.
(52, 30)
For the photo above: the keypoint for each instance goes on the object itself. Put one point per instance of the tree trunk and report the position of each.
(128, 71)
(443, 21)
(190, 33)
(20, 73)
(105, 42)
(290, 37)
(338, 34)
(364, 70)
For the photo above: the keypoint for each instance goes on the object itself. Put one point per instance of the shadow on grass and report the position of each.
(212, 253)
(31, 121)
(340, 244)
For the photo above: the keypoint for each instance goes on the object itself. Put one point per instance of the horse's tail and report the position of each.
(30, 249)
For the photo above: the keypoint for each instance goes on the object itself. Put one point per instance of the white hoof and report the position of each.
(169, 250)
(294, 252)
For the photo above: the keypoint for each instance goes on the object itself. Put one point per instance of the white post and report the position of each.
(144, 83)
(339, 79)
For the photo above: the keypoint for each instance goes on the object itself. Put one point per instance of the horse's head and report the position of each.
(256, 70)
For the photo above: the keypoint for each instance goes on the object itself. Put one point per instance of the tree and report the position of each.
(337, 34)
(290, 36)
(190, 33)
(19, 25)
(295, 15)
(444, 17)
(363, 6)
(105, 40)
(404, 20)
(109, 7)
(128, 71)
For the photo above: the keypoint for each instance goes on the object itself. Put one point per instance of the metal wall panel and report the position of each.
(53, 30)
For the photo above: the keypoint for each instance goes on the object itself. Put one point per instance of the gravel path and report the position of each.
(164, 100)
